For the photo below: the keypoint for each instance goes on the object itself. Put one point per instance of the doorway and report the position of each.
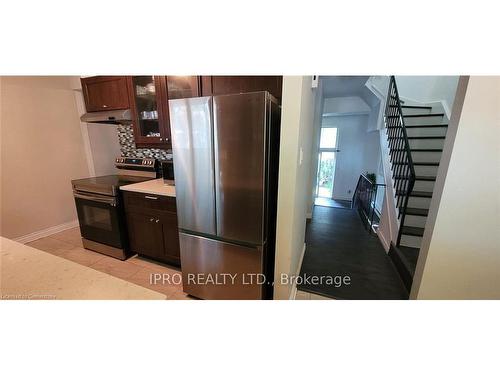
(327, 162)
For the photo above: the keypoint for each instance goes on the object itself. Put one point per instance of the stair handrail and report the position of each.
(366, 212)
(400, 151)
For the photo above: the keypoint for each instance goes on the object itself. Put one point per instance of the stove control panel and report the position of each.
(135, 163)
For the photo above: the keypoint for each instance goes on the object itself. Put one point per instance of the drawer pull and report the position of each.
(157, 221)
(150, 197)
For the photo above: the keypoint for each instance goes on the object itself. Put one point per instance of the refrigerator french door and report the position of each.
(223, 161)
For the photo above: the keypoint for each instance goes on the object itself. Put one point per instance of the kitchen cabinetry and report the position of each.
(105, 93)
(180, 87)
(149, 110)
(222, 85)
(149, 97)
(152, 226)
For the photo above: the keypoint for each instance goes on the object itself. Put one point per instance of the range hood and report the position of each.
(121, 116)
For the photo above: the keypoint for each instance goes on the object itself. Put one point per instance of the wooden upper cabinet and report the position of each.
(105, 93)
(222, 85)
(149, 96)
(149, 107)
(180, 87)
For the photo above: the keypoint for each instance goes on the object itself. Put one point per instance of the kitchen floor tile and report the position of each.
(72, 236)
(302, 295)
(318, 297)
(82, 256)
(114, 267)
(144, 278)
(180, 296)
(51, 245)
(152, 265)
(137, 270)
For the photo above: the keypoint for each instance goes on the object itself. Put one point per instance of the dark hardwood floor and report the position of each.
(337, 244)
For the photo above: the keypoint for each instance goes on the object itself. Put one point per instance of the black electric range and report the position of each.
(100, 209)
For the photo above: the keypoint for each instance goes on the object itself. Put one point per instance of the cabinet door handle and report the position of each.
(150, 197)
(157, 221)
(151, 220)
(161, 139)
(104, 106)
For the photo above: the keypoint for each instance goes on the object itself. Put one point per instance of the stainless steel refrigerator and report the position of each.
(226, 152)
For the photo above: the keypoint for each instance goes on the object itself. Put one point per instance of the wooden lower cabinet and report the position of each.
(146, 236)
(152, 229)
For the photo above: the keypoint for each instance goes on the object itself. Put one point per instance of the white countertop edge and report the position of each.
(155, 187)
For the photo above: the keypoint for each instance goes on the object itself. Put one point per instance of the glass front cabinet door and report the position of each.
(149, 106)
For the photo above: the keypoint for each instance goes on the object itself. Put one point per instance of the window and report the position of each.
(326, 162)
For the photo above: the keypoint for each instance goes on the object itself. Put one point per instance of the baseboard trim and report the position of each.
(386, 244)
(293, 292)
(46, 232)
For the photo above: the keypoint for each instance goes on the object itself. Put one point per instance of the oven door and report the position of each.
(100, 218)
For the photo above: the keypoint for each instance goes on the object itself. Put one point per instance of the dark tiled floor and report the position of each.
(338, 244)
(328, 202)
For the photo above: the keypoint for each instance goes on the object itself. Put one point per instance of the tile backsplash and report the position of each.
(128, 149)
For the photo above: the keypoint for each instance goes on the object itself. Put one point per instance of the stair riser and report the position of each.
(426, 170)
(419, 202)
(425, 156)
(415, 221)
(426, 132)
(416, 111)
(424, 185)
(411, 241)
(427, 120)
(426, 143)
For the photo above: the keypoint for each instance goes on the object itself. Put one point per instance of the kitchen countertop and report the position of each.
(157, 187)
(29, 273)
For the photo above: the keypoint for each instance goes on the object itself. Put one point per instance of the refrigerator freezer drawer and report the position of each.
(213, 269)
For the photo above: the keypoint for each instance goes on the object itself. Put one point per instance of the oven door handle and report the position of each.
(111, 200)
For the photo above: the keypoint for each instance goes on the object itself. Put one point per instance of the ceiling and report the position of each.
(335, 86)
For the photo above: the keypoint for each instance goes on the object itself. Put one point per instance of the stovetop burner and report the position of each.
(131, 170)
(107, 185)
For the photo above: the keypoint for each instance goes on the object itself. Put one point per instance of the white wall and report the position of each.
(427, 89)
(318, 119)
(359, 152)
(460, 256)
(344, 105)
(295, 162)
(104, 147)
(41, 152)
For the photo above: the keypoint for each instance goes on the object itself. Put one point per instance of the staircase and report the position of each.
(416, 137)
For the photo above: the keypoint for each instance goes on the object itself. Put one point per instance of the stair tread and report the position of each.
(405, 263)
(421, 137)
(424, 115)
(416, 193)
(421, 126)
(413, 231)
(422, 178)
(411, 255)
(417, 211)
(419, 149)
(418, 115)
(414, 106)
(427, 163)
